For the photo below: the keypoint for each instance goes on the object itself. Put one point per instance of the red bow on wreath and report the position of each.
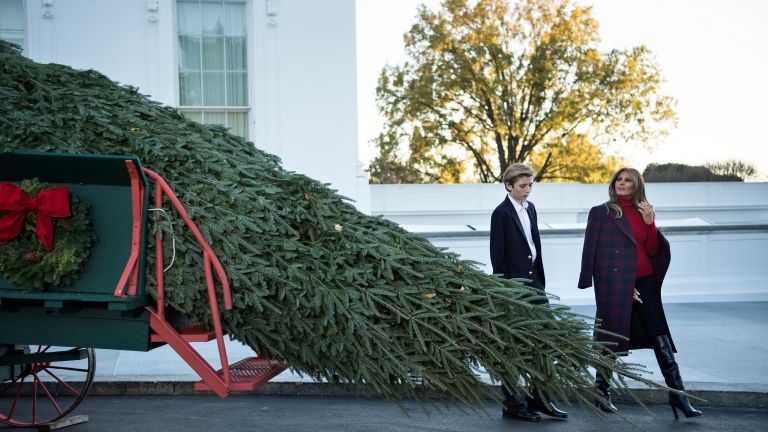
(48, 204)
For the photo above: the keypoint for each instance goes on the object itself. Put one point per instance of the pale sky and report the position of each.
(713, 55)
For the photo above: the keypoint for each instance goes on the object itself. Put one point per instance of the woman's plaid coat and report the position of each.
(610, 259)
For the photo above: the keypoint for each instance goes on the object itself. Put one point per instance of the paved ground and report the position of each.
(287, 414)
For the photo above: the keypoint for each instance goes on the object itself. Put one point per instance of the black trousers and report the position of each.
(649, 311)
(511, 398)
(537, 281)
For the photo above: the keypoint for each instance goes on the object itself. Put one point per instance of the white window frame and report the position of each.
(202, 110)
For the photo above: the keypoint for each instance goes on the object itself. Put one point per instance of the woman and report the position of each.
(627, 257)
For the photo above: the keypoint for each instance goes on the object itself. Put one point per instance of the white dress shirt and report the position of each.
(522, 213)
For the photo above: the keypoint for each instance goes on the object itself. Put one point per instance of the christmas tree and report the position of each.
(336, 293)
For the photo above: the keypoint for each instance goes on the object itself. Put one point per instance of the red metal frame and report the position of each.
(219, 383)
(163, 190)
(131, 271)
(249, 373)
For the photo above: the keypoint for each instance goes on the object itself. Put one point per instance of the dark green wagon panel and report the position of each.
(85, 313)
(92, 327)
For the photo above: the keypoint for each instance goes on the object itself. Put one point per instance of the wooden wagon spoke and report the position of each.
(71, 389)
(15, 399)
(34, 398)
(48, 395)
(68, 368)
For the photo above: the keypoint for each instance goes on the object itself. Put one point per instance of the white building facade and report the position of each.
(281, 73)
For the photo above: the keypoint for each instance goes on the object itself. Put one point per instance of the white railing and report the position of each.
(716, 202)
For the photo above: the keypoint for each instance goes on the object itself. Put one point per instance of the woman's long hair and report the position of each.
(638, 193)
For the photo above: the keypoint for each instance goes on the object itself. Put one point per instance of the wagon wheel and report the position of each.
(48, 388)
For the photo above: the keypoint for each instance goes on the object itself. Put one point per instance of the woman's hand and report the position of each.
(646, 210)
(636, 296)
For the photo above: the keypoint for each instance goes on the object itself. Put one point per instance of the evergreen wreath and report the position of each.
(25, 261)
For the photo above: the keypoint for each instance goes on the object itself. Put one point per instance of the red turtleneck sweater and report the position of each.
(646, 238)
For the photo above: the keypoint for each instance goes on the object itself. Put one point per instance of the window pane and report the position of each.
(213, 66)
(188, 18)
(190, 89)
(238, 123)
(213, 53)
(215, 117)
(236, 54)
(189, 53)
(237, 89)
(212, 18)
(213, 88)
(235, 14)
(12, 21)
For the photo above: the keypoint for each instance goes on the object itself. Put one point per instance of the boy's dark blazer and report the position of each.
(510, 254)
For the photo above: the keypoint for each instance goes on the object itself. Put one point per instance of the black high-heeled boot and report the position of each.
(604, 385)
(662, 347)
